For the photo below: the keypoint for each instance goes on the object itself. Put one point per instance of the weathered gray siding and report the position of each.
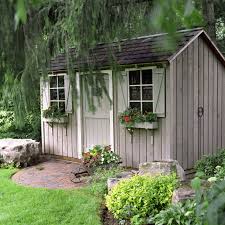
(143, 145)
(60, 139)
(197, 77)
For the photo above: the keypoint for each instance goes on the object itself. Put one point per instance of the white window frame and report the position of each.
(140, 85)
(57, 88)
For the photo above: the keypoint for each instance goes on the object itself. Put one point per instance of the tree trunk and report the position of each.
(209, 17)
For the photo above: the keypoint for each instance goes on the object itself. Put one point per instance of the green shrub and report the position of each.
(6, 121)
(8, 128)
(208, 163)
(137, 198)
(177, 214)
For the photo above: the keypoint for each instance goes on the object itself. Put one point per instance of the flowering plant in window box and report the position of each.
(100, 156)
(55, 115)
(133, 118)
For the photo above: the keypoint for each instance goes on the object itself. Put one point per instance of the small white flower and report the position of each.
(212, 179)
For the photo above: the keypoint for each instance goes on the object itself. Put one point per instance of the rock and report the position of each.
(125, 174)
(111, 182)
(182, 193)
(162, 167)
(19, 152)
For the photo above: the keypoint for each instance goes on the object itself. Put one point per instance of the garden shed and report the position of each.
(183, 86)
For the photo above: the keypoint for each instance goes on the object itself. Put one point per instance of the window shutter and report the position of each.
(159, 91)
(68, 94)
(45, 95)
(122, 98)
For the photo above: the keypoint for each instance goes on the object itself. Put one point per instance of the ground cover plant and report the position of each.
(22, 205)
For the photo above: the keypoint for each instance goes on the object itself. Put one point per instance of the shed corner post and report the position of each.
(79, 117)
(111, 110)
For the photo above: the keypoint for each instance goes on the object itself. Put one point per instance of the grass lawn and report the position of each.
(30, 206)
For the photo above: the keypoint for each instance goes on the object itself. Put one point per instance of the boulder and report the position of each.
(162, 168)
(182, 194)
(19, 152)
(111, 182)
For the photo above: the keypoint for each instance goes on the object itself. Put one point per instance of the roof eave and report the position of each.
(209, 41)
(177, 53)
(214, 47)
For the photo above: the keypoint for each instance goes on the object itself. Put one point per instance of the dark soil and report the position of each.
(107, 217)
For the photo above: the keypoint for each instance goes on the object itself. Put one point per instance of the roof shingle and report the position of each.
(147, 49)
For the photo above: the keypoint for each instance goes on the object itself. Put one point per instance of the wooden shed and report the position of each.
(185, 87)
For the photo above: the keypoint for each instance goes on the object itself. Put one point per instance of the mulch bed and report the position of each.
(107, 217)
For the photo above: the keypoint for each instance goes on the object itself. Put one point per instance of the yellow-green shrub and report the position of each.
(140, 196)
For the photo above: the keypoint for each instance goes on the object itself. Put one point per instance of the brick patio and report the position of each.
(53, 174)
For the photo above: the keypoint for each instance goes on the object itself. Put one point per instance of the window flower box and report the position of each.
(146, 125)
(55, 115)
(61, 120)
(134, 119)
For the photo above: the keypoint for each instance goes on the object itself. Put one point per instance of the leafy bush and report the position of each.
(9, 129)
(99, 155)
(208, 164)
(177, 214)
(140, 196)
(6, 121)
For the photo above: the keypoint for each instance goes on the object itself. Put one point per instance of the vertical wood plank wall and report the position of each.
(144, 145)
(60, 140)
(195, 78)
(198, 81)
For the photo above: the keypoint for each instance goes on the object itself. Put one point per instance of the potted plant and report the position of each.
(132, 118)
(54, 115)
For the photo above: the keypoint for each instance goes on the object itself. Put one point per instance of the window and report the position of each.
(57, 91)
(141, 90)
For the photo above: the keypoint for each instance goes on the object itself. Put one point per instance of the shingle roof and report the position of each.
(147, 49)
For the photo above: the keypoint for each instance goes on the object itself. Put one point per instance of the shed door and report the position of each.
(96, 126)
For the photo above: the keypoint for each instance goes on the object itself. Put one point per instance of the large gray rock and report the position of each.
(111, 182)
(19, 152)
(182, 194)
(162, 168)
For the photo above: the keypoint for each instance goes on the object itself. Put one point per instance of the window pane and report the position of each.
(60, 81)
(147, 93)
(135, 93)
(147, 107)
(146, 76)
(53, 82)
(54, 105)
(53, 94)
(135, 105)
(62, 106)
(134, 77)
(61, 94)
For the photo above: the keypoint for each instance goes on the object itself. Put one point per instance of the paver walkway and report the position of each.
(53, 174)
